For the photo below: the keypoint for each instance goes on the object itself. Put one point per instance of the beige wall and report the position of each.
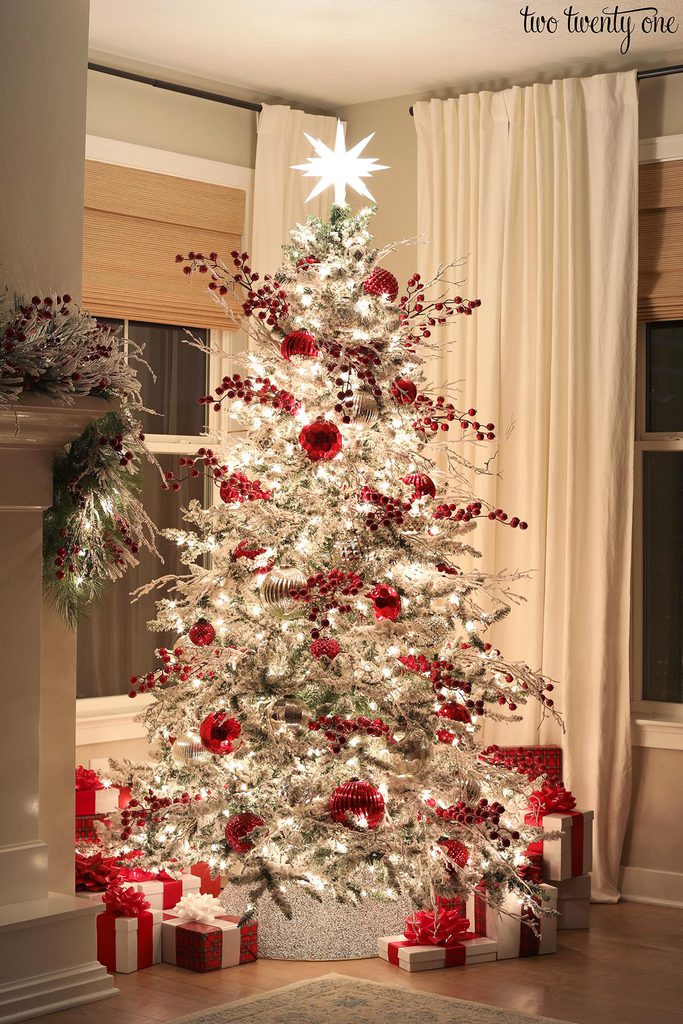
(42, 127)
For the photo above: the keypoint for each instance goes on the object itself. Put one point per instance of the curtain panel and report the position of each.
(279, 192)
(538, 187)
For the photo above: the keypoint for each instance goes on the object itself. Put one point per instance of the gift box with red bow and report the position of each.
(128, 932)
(161, 889)
(200, 937)
(94, 874)
(571, 853)
(573, 902)
(529, 761)
(511, 925)
(92, 795)
(436, 938)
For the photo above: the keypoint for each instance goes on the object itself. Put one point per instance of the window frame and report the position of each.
(111, 718)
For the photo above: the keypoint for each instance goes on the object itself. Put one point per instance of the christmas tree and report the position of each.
(317, 720)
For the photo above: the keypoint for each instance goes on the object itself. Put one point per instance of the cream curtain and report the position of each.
(279, 192)
(538, 186)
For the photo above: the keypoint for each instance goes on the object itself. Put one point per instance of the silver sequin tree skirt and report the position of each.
(320, 931)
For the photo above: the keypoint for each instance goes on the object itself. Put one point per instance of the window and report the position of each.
(658, 526)
(113, 640)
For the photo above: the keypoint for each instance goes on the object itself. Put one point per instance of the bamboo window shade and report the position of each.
(135, 222)
(660, 249)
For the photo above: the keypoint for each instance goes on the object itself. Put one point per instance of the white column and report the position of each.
(47, 940)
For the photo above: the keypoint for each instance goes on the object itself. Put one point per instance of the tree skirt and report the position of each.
(341, 1000)
(320, 931)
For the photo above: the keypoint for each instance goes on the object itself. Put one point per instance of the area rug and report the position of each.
(338, 999)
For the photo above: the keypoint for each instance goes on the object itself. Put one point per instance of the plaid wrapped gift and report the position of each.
(452, 903)
(514, 937)
(86, 830)
(208, 947)
(549, 758)
(473, 949)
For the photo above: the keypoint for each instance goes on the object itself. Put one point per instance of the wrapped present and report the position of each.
(92, 795)
(94, 873)
(208, 885)
(161, 889)
(128, 932)
(571, 853)
(200, 937)
(573, 902)
(87, 830)
(511, 926)
(529, 761)
(436, 938)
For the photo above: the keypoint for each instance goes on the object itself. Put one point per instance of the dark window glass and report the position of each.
(113, 640)
(663, 576)
(664, 376)
(181, 378)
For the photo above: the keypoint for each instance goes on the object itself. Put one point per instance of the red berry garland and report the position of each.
(239, 828)
(239, 488)
(252, 391)
(321, 440)
(338, 729)
(386, 602)
(218, 732)
(202, 633)
(388, 511)
(357, 804)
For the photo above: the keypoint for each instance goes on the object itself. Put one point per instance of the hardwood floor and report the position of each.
(626, 970)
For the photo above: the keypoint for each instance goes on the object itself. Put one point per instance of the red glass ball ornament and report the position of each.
(299, 343)
(422, 485)
(454, 712)
(381, 282)
(456, 852)
(202, 633)
(239, 827)
(218, 732)
(357, 804)
(386, 602)
(404, 391)
(321, 440)
(325, 648)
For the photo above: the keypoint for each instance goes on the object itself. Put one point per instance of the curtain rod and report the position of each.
(158, 83)
(673, 69)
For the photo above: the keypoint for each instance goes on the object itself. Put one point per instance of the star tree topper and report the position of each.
(339, 167)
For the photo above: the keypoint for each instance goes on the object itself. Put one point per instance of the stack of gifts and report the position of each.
(516, 931)
(437, 938)
(199, 936)
(566, 860)
(94, 801)
(128, 931)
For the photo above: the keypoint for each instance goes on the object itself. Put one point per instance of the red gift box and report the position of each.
(209, 885)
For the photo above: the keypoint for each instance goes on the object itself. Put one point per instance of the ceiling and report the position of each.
(328, 53)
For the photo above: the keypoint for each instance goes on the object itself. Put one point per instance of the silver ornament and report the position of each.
(189, 751)
(290, 711)
(363, 408)
(276, 589)
(471, 791)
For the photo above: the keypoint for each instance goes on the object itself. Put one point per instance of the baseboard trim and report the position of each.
(54, 990)
(643, 885)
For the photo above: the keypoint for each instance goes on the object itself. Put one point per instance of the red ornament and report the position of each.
(404, 391)
(305, 262)
(202, 633)
(381, 282)
(357, 804)
(386, 602)
(321, 440)
(239, 826)
(218, 732)
(325, 648)
(454, 712)
(421, 483)
(299, 343)
(456, 852)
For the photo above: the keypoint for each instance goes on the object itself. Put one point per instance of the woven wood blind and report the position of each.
(660, 250)
(134, 224)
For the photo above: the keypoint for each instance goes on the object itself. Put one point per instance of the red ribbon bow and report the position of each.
(140, 875)
(551, 798)
(95, 873)
(125, 902)
(435, 928)
(87, 779)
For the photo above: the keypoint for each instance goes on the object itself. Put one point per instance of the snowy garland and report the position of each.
(96, 525)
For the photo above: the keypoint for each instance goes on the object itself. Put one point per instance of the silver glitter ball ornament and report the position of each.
(290, 711)
(364, 408)
(276, 589)
(189, 751)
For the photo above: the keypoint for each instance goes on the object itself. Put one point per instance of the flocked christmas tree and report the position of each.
(317, 719)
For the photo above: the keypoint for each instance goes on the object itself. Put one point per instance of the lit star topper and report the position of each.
(339, 167)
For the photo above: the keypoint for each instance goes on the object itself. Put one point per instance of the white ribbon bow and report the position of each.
(199, 907)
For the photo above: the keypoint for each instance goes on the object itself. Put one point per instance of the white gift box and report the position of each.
(571, 854)
(396, 949)
(191, 944)
(163, 894)
(120, 945)
(506, 926)
(573, 902)
(91, 897)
